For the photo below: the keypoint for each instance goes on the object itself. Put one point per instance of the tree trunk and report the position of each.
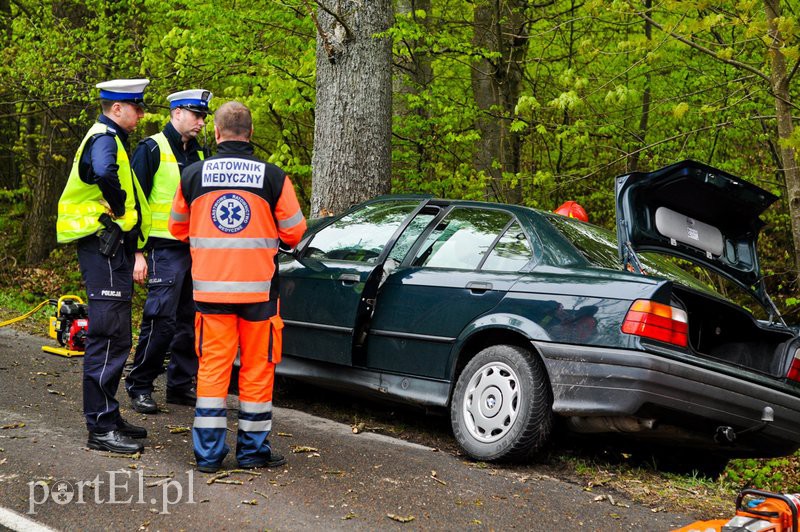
(9, 124)
(633, 161)
(51, 176)
(414, 76)
(500, 27)
(352, 159)
(58, 142)
(783, 112)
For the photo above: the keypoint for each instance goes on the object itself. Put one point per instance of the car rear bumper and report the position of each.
(589, 382)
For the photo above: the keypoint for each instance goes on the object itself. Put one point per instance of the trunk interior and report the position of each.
(729, 334)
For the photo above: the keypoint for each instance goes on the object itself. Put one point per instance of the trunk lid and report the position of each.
(698, 213)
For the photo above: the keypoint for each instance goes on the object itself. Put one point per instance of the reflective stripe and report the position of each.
(210, 422)
(178, 217)
(80, 203)
(231, 286)
(80, 208)
(233, 243)
(210, 402)
(255, 408)
(291, 221)
(255, 426)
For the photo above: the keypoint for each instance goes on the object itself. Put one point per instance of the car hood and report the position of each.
(695, 212)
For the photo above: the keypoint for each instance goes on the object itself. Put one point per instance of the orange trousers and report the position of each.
(220, 330)
(217, 337)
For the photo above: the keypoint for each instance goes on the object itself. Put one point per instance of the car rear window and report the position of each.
(599, 247)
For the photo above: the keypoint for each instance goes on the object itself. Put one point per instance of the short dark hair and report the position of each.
(105, 104)
(234, 120)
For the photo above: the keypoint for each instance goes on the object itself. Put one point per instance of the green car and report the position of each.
(511, 317)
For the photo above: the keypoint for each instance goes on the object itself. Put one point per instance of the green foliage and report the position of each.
(775, 474)
(579, 120)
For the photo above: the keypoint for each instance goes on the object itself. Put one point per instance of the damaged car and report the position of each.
(511, 317)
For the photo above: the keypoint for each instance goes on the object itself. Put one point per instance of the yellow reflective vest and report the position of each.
(80, 207)
(165, 182)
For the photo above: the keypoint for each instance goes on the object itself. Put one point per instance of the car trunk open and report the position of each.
(724, 332)
(701, 214)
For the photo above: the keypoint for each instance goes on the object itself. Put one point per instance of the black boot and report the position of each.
(187, 396)
(131, 431)
(144, 404)
(114, 441)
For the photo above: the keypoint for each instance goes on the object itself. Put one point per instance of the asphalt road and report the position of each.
(334, 479)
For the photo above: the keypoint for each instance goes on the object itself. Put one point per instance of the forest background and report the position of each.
(531, 102)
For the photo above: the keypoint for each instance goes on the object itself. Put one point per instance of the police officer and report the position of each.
(104, 211)
(234, 209)
(168, 315)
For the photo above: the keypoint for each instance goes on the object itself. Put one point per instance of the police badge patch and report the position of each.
(230, 213)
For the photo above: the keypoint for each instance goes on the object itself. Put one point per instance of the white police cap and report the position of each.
(195, 100)
(124, 90)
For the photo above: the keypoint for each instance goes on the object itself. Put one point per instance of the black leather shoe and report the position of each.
(186, 397)
(113, 441)
(131, 431)
(209, 468)
(144, 404)
(274, 460)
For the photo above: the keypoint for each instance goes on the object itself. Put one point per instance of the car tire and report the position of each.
(502, 405)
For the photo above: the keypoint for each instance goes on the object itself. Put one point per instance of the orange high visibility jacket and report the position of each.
(233, 209)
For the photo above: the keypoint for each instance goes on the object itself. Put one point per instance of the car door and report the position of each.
(322, 288)
(459, 269)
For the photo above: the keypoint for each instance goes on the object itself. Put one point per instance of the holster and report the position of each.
(110, 236)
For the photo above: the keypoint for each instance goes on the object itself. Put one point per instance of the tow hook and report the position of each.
(725, 435)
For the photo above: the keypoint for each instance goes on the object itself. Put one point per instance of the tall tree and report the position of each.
(780, 79)
(9, 123)
(501, 43)
(777, 34)
(352, 130)
(57, 138)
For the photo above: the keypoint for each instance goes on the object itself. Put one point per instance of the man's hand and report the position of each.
(110, 211)
(140, 268)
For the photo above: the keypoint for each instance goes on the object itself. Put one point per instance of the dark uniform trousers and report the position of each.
(109, 286)
(167, 324)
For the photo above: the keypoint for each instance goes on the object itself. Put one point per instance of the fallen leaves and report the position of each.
(400, 518)
(134, 456)
(303, 449)
(17, 425)
(178, 429)
(611, 500)
(312, 451)
(440, 481)
(222, 477)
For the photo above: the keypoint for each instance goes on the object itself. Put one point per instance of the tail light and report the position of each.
(794, 369)
(659, 322)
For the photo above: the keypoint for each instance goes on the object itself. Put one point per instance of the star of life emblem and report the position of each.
(230, 213)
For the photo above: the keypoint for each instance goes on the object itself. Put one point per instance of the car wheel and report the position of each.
(501, 407)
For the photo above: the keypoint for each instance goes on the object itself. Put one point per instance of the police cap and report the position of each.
(124, 90)
(195, 100)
